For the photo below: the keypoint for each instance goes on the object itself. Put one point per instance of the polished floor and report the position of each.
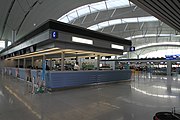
(139, 99)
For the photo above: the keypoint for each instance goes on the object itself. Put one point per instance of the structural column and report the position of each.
(24, 64)
(137, 56)
(43, 59)
(43, 67)
(62, 61)
(13, 36)
(32, 62)
(4, 63)
(169, 67)
(128, 55)
(50, 64)
(76, 57)
(6, 43)
(18, 62)
(98, 61)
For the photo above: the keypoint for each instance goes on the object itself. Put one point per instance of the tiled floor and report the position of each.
(139, 99)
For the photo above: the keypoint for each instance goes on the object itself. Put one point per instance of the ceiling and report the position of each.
(167, 11)
(24, 16)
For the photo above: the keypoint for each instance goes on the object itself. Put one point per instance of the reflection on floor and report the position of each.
(139, 99)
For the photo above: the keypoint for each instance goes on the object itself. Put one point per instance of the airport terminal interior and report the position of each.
(89, 60)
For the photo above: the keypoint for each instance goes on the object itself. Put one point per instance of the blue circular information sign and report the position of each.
(54, 34)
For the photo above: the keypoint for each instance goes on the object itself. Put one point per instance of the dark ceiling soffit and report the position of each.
(7, 16)
(161, 16)
(56, 25)
(86, 32)
(86, 47)
(40, 29)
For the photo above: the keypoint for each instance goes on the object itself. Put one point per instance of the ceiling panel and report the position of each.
(4, 7)
(42, 11)
(165, 10)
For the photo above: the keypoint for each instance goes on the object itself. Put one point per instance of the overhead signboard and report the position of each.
(172, 57)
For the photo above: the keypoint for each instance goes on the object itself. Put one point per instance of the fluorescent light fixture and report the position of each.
(103, 58)
(100, 65)
(9, 43)
(124, 53)
(117, 46)
(112, 57)
(2, 44)
(82, 40)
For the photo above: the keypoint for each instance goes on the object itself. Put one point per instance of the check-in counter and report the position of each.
(67, 79)
(13, 70)
(64, 79)
(22, 73)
